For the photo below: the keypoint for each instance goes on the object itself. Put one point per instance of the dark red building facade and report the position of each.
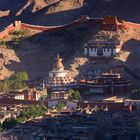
(106, 84)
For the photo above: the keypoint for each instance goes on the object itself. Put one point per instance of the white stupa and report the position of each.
(58, 76)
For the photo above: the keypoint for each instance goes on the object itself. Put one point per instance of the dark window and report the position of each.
(100, 52)
(112, 54)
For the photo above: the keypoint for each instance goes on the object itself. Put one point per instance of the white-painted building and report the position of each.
(59, 95)
(102, 49)
(52, 103)
(19, 97)
(71, 104)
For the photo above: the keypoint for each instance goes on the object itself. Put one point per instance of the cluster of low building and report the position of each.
(10, 111)
(111, 119)
(72, 125)
(35, 91)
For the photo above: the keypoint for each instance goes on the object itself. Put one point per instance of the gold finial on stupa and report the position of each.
(58, 57)
(58, 64)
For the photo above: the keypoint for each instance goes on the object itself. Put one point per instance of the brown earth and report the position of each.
(56, 12)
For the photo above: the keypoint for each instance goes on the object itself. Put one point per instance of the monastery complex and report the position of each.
(75, 81)
(59, 80)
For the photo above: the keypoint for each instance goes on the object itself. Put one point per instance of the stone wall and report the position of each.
(132, 25)
(24, 26)
(108, 23)
(6, 31)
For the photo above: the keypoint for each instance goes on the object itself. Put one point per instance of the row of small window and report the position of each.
(58, 95)
(104, 49)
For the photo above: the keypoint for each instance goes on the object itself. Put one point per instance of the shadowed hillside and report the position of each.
(56, 12)
(35, 54)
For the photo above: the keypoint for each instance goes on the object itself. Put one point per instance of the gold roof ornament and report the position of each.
(58, 64)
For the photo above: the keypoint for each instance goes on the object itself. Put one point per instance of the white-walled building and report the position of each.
(18, 96)
(103, 44)
(102, 49)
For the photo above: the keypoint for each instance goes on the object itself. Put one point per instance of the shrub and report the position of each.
(60, 106)
(16, 81)
(32, 112)
(135, 94)
(74, 95)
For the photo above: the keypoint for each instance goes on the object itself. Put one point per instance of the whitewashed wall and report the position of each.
(71, 105)
(106, 52)
(52, 103)
(19, 97)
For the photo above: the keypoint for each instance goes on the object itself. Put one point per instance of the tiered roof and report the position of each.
(103, 39)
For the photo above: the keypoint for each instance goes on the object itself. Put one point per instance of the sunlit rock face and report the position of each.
(66, 5)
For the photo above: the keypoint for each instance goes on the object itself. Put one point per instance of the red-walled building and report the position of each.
(111, 23)
(106, 84)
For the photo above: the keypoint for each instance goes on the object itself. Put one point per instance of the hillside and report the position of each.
(57, 12)
(30, 10)
(36, 51)
(36, 54)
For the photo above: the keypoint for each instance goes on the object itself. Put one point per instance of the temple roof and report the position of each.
(104, 39)
(58, 64)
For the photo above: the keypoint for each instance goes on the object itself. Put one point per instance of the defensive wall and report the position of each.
(108, 23)
(132, 25)
(7, 31)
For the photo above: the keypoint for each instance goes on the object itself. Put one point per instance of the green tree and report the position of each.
(5, 85)
(74, 95)
(32, 112)
(60, 106)
(22, 76)
(135, 95)
(1, 128)
(16, 81)
(17, 85)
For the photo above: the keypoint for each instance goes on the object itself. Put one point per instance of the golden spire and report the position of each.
(58, 64)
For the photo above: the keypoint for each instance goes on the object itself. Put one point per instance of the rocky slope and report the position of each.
(36, 54)
(56, 12)
(28, 9)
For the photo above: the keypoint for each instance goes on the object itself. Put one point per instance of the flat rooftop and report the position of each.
(106, 98)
